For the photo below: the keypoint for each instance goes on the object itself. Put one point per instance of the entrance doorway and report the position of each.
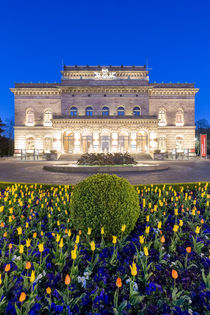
(105, 143)
(87, 143)
(141, 142)
(68, 142)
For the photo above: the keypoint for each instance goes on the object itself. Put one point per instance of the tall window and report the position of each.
(179, 117)
(30, 144)
(48, 118)
(89, 111)
(179, 143)
(105, 111)
(73, 112)
(136, 111)
(162, 117)
(29, 117)
(121, 111)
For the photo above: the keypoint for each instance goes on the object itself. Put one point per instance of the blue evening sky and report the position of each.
(36, 36)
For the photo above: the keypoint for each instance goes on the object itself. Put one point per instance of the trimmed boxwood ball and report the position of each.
(104, 200)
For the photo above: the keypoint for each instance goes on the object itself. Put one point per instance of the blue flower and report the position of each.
(150, 288)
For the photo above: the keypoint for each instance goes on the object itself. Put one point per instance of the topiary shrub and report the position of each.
(107, 201)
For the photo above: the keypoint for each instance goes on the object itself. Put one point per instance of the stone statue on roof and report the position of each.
(104, 75)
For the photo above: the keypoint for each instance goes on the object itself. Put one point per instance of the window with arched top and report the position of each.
(89, 111)
(73, 111)
(179, 143)
(30, 145)
(162, 117)
(121, 111)
(136, 111)
(179, 117)
(105, 111)
(30, 117)
(47, 117)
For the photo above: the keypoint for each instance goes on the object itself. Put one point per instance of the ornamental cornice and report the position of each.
(36, 91)
(172, 91)
(64, 123)
(91, 74)
(105, 89)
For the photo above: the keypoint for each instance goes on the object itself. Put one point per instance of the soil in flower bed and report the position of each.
(162, 267)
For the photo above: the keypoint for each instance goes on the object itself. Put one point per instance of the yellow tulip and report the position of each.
(41, 247)
(147, 229)
(102, 231)
(180, 223)
(197, 230)
(89, 231)
(32, 278)
(123, 228)
(58, 238)
(141, 239)
(74, 254)
(133, 269)
(176, 211)
(1, 208)
(92, 245)
(77, 239)
(146, 253)
(28, 242)
(147, 218)
(175, 228)
(19, 230)
(114, 239)
(21, 249)
(159, 225)
(61, 243)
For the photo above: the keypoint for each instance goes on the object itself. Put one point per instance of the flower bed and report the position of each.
(47, 267)
(106, 159)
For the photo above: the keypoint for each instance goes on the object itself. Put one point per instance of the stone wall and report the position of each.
(99, 101)
(171, 105)
(39, 104)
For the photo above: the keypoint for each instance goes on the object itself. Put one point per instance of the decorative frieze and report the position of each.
(36, 91)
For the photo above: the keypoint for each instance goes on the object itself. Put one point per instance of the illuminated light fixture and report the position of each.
(77, 136)
(95, 136)
(133, 135)
(114, 136)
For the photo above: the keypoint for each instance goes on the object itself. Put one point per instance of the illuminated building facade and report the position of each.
(104, 109)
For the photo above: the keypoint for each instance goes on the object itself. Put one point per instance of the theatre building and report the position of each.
(104, 109)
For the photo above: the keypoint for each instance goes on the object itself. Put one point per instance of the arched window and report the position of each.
(179, 143)
(105, 111)
(121, 111)
(47, 144)
(136, 111)
(48, 117)
(179, 117)
(73, 112)
(30, 143)
(29, 117)
(162, 144)
(89, 111)
(162, 117)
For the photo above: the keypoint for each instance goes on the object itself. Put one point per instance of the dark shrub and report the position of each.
(107, 201)
(106, 159)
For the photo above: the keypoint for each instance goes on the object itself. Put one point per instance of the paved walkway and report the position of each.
(32, 172)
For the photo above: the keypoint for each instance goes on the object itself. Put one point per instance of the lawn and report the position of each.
(162, 267)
